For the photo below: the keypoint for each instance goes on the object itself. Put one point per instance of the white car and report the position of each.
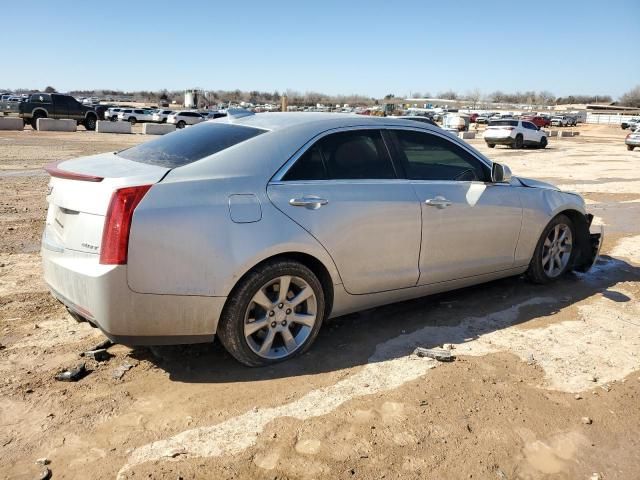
(161, 116)
(182, 119)
(135, 115)
(562, 121)
(515, 133)
(112, 113)
(633, 139)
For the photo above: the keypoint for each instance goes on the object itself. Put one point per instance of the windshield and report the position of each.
(190, 145)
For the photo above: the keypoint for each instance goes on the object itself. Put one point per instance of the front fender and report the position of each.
(539, 206)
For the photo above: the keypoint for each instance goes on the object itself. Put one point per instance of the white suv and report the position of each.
(135, 115)
(161, 116)
(182, 119)
(515, 133)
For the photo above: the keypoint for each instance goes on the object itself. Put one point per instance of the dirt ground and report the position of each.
(546, 381)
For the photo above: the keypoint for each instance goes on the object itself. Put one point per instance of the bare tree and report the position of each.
(449, 95)
(474, 96)
(631, 98)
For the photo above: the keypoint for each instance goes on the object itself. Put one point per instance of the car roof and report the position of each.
(318, 121)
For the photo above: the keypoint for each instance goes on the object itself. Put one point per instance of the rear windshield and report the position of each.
(504, 123)
(189, 145)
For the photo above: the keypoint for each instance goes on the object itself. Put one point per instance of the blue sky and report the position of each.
(367, 47)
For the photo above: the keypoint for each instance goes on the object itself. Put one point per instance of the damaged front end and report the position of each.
(588, 244)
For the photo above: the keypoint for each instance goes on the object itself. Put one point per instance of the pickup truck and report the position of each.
(631, 124)
(9, 103)
(55, 105)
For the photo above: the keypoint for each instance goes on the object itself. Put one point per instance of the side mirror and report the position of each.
(500, 173)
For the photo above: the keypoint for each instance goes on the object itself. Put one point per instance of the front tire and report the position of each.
(630, 147)
(543, 142)
(491, 145)
(132, 120)
(554, 252)
(273, 314)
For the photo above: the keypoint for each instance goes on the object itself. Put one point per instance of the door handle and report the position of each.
(310, 202)
(438, 202)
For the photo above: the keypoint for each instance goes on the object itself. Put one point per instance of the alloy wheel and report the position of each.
(280, 317)
(556, 250)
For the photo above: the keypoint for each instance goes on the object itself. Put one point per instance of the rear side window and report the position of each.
(189, 145)
(431, 157)
(309, 166)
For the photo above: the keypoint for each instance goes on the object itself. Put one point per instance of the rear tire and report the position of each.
(491, 145)
(519, 142)
(132, 120)
(630, 147)
(90, 123)
(34, 119)
(181, 124)
(553, 256)
(282, 336)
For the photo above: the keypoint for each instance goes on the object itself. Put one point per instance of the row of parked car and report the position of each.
(179, 118)
(540, 120)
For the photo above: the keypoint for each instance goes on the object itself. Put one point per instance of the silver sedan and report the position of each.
(257, 228)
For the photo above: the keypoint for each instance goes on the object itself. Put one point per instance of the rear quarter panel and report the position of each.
(183, 241)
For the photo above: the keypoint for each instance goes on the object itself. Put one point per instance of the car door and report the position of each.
(532, 134)
(344, 190)
(60, 107)
(469, 225)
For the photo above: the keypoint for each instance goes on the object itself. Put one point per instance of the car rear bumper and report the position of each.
(500, 140)
(101, 295)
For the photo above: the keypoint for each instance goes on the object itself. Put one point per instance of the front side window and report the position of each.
(431, 157)
(40, 98)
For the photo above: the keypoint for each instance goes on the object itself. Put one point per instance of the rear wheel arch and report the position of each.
(318, 268)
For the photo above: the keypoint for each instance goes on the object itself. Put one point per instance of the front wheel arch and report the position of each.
(582, 257)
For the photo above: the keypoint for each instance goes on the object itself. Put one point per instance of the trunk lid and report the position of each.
(78, 205)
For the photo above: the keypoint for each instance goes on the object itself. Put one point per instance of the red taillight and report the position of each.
(53, 170)
(117, 224)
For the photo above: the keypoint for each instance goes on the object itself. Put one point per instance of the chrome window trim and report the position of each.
(426, 128)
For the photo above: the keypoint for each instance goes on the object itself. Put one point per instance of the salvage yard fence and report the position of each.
(616, 119)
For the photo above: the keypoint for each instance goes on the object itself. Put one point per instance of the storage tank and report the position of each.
(190, 98)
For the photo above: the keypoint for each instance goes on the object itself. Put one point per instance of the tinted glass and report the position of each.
(431, 157)
(309, 166)
(503, 123)
(359, 154)
(41, 98)
(529, 125)
(189, 145)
